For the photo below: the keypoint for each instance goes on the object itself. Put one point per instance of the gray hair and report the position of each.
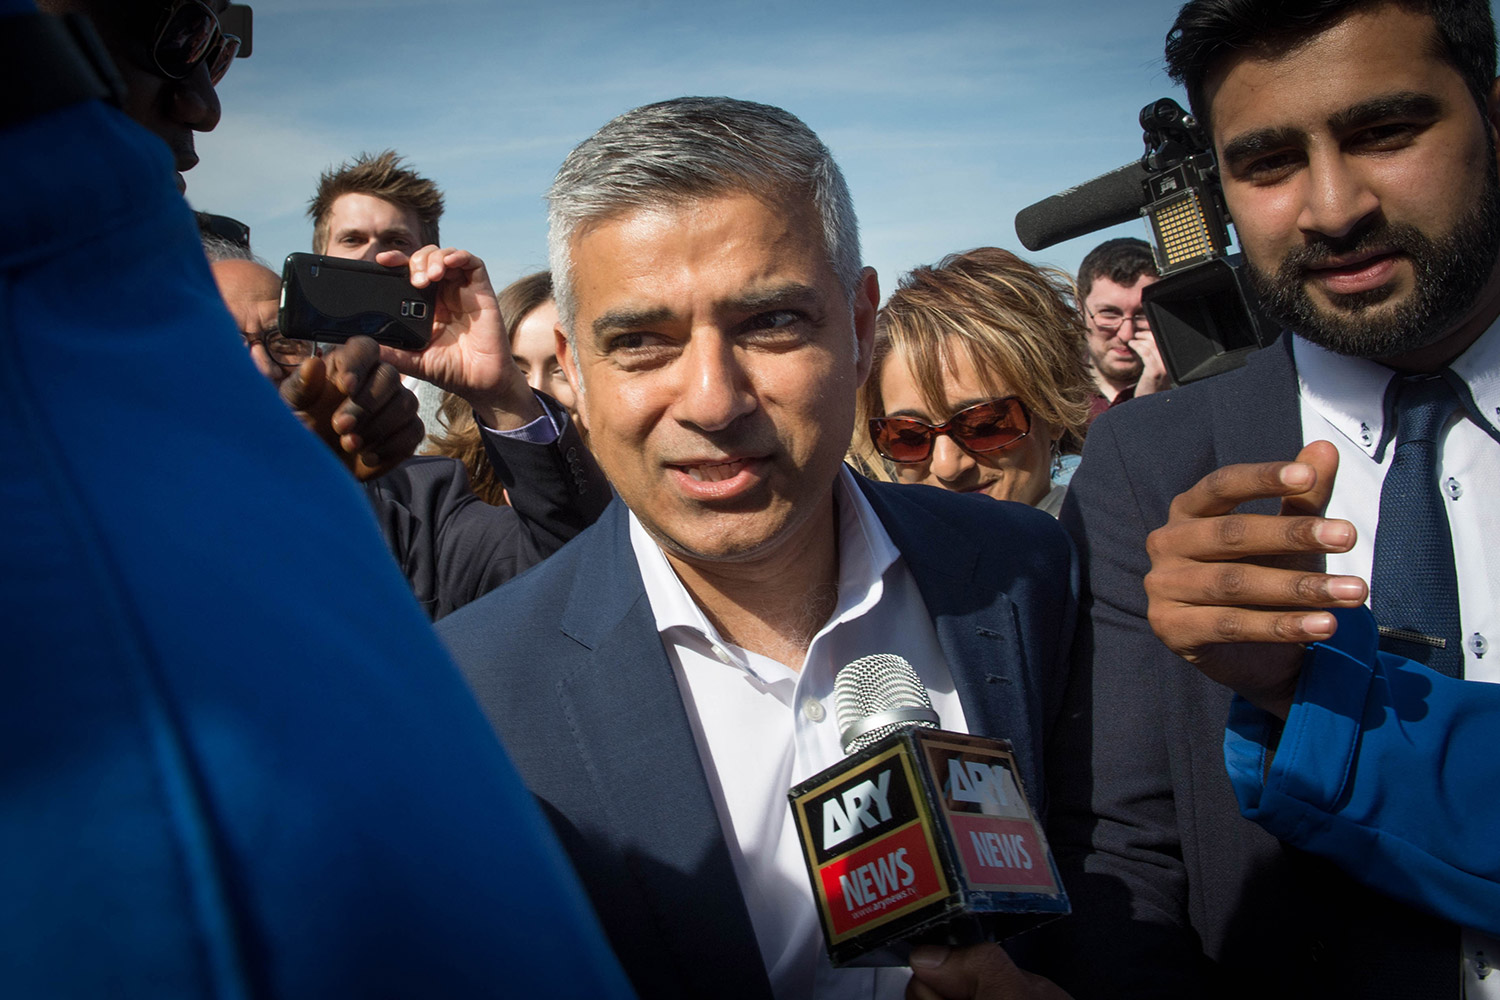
(691, 148)
(218, 248)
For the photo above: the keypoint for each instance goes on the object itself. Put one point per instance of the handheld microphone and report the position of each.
(919, 835)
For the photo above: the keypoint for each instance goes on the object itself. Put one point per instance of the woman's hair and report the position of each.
(459, 436)
(1016, 322)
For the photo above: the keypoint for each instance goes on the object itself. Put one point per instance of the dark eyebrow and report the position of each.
(777, 297)
(1262, 140)
(1406, 104)
(786, 296)
(617, 320)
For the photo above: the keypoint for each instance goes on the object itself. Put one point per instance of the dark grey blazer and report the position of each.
(567, 664)
(453, 547)
(1173, 893)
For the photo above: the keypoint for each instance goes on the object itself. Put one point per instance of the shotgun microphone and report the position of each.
(919, 835)
(1107, 200)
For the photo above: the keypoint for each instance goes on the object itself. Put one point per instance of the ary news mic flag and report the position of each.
(918, 836)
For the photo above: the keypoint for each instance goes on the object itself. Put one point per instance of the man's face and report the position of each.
(361, 226)
(172, 109)
(1361, 178)
(1111, 312)
(252, 293)
(717, 358)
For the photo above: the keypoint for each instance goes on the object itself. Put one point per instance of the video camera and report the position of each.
(1203, 312)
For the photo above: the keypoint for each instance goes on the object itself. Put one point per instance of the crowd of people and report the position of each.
(647, 504)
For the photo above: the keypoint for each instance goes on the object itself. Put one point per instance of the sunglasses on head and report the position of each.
(983, 427)
(191, 35)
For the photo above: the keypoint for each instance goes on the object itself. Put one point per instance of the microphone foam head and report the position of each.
(878, 695)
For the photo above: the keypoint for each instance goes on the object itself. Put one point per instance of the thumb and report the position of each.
(301, 388)
(1324, 459)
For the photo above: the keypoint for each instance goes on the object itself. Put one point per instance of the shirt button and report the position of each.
(1365, 436)
(1479, 644)
(813, 709)
(1454, 487)
(723, 655)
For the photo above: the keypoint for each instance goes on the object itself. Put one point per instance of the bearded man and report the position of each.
(1356, 459)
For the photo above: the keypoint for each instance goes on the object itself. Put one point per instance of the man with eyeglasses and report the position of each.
(170, 56)
(1122, 352)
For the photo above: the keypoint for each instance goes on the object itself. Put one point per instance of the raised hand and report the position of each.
(1237, 595)
(357, 405)
(469, 354)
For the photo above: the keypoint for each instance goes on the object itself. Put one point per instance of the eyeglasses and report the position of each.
(191, 35)
(285, 351)
(983, 427)
(1111, 324)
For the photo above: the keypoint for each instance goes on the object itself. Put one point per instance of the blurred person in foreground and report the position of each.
(1123, 357)
(530, 317)
(170, 57)
(976, 384)
(1289, 790)
(235, 760)
(665, 678)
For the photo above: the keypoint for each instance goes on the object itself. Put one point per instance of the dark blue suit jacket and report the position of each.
(568, 665)
(1173, 892)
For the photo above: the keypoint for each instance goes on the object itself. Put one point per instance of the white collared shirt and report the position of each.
(1343, 402)
(762, 727)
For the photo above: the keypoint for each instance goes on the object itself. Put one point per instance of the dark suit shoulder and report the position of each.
(1249, 414)
(1014, 547)
(420, 476)
(500, 636)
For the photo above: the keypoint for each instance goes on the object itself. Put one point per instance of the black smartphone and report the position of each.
(329, 299)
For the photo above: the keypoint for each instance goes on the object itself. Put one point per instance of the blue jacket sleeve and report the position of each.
(1385, 768)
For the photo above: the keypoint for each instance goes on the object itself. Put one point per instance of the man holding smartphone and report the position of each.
(375, 203)
(451, 546)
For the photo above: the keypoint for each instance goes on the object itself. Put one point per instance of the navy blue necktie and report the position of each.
(1414, 586)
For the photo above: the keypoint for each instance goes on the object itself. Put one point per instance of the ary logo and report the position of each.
(865, 806)
(973, 781)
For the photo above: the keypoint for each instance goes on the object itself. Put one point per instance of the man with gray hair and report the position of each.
(665, 679)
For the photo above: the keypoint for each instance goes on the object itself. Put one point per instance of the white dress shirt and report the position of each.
(1342, 401)
(761, 727)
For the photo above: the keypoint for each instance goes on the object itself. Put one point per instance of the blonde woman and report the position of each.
(978, 383)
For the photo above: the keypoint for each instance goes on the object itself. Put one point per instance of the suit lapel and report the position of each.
(976, 624)
(639, 750)
(1261, 420)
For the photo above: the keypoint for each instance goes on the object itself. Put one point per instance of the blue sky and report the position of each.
(947, 117)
